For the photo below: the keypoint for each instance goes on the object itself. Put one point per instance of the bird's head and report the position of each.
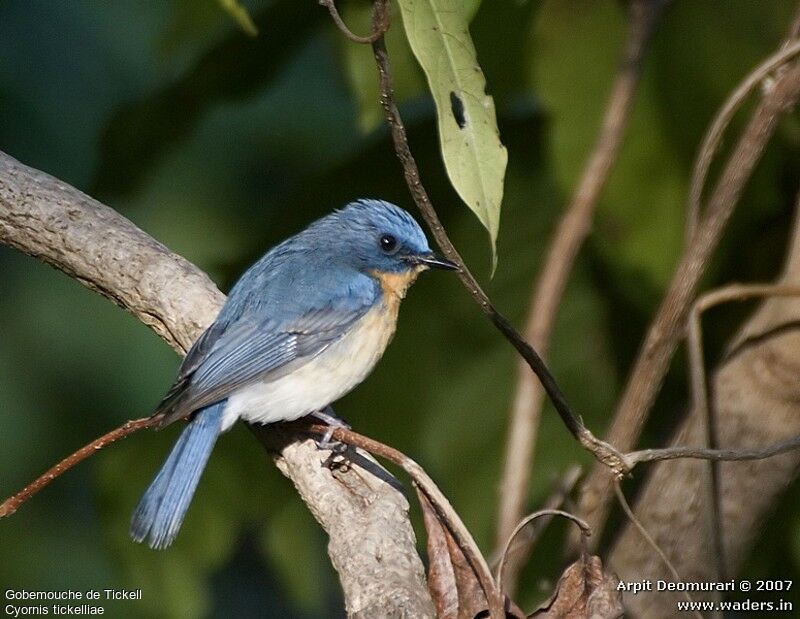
(382, 239)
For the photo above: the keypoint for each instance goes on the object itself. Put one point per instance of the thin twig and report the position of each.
(601, 450)
(668, 325)
(649, 539)
(440, 503)
(572, 229)
(12, 503)
(741, 292)
(702, 453)
(707, 422)
(523, 546)
(379, 28)
(584, 528)
(721, 121)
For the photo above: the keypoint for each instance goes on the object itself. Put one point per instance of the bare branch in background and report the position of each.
(564, 246)
(650, 541)
(753, 394)
(713, 136)
(669, 324)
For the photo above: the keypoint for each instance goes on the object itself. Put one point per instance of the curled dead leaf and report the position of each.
(584, 591)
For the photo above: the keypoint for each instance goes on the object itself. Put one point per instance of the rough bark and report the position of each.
(372, 545)
(755, 394)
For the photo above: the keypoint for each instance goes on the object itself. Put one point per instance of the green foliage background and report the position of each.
(220, 145)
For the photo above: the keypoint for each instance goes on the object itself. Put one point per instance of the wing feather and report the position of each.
(253, 350)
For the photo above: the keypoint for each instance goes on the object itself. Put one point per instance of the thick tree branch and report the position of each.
(372, 544)
(52, 221)
(440, 504)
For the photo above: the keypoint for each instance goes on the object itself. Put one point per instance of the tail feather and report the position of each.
(161, 510)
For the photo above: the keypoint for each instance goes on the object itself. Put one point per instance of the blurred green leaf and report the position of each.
(240, 16)
(192, 23)
(470, 8)
(473, 154)
(635, 229)
(140, 133)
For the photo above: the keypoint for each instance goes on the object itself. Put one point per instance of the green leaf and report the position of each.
(139, 133)
(240, 16)
(359, 62)
(473, 155)
(470, 8)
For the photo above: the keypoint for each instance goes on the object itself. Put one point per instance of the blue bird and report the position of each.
(300, 329)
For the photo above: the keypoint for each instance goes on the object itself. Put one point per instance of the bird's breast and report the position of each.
(325, 378)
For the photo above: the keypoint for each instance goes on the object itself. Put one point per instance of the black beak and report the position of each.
(433, 261)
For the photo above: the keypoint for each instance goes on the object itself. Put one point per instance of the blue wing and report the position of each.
(263, 344)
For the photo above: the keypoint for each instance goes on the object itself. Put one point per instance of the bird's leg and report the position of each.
(327, 416)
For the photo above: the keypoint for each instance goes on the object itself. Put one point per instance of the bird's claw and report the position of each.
(327, 443)
(337, 448)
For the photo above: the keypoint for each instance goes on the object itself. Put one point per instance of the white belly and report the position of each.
(323, 380)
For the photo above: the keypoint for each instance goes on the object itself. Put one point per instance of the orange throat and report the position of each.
(396, 285)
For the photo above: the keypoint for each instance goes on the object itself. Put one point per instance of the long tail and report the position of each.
(161, 510)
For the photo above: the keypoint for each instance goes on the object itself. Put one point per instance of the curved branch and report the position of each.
(713, 136)
(378, 30)
(372, 544)
(548, 512)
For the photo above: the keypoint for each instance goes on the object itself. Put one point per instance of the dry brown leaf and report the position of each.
(441, 576)
(584, 591)
(454, 587)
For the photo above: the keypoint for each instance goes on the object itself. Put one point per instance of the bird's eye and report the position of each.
(389, 244)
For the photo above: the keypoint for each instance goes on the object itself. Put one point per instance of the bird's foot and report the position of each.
(333, 422)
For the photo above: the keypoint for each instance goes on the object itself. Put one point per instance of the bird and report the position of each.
(302, 327)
